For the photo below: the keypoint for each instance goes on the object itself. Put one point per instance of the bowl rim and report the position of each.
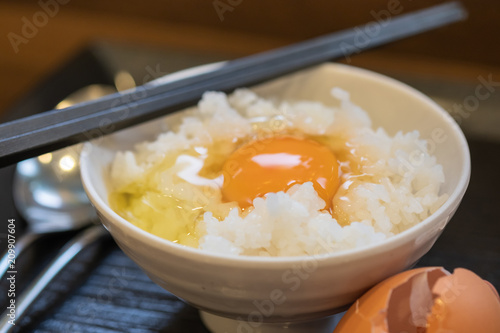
(444, 212)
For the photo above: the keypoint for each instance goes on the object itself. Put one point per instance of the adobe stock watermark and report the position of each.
(120, 279)
(483, 90)
(363, 36)
(125, 105)
(292, 280)
(437, 309)
(202, 195)
(223, 6)
(460, 112)
(31, 26)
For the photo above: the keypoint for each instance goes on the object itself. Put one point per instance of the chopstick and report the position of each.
(51, 130)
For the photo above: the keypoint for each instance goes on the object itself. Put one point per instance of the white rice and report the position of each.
(293, 223)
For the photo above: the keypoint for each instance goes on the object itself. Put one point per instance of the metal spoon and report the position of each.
(49, 194)
(47, 189)
(66, 254)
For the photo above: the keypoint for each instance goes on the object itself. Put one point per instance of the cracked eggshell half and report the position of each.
(426, 300)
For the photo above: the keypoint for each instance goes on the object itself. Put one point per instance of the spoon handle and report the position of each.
(65, 255)
(22, 244)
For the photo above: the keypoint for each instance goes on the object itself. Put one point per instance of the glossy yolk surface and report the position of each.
(276, 164)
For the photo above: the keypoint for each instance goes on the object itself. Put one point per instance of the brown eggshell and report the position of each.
(370, 313)
(465, 303)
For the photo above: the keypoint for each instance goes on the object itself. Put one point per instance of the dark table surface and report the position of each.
(102, 290)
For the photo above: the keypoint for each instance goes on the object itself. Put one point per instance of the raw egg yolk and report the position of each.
(276, 164)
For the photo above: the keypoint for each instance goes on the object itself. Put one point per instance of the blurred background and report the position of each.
(39, 36)
(51, 48)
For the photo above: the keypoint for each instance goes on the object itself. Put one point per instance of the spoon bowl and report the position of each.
(48, 192)
(47, 189)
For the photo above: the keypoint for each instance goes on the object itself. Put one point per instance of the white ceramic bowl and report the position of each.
(290, 294)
